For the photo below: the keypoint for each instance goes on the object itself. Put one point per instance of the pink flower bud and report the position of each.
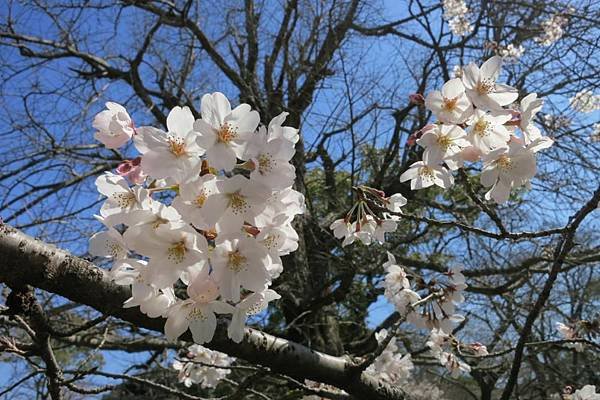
(417, 98)
(132, 170)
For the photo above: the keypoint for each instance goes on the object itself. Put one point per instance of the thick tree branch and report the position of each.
(27, 261)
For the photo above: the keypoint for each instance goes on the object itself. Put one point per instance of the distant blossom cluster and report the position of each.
(455, 13)
(426, 304)
(553, 29)
(390, 366)
(207, 206)
(511, 53)
(442, 344)
(202, 366)
(585, 101)
(473, 124)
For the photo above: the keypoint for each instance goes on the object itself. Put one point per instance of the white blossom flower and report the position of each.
(481, 86)
(121, 199)
(585, 101)
(511, 53)
(505, 168)
(270, 159)
(486, 130)
(460, 25)
(202, 366)
(236, 200)
(239, 262)
(588, 392)
(114, 126)
(253, 304)
(276, 130)
(172, 251)
(450, 105)
(443, 142)
(423, 174)
(453, 364)
(109, 243)
(454, 8)
(192, 197)
(198, 312)
(395, 202)
(173, 154)
(224, 132)
(553, 29)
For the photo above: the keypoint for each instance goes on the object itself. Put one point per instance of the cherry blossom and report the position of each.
(202, 366)
(486, 130)
(482, 88)
(423, 174)
(224, 132)
(450, 105)
(443, 142)
(172, 154)
(252, 304)
(114, 126)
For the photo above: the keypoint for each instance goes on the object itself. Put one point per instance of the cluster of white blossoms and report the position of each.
(511, 53)
(202, 366)
(595, 136)
(556, 122)
(588, 392)
(473, 124)
(553, 29)
(455, 13)
(391, 366)
(585, 101)
(569, 333)
(443, 346)
(229, 183)
(426, 304)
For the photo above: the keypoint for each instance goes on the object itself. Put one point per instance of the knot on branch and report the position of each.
(21, 300)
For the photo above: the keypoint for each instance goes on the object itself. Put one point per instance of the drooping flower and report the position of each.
(253, 304)
(109, 243)
(114, 126)
(223, 132)
(197, 312)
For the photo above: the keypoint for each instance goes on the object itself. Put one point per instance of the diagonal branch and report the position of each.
(28, 261)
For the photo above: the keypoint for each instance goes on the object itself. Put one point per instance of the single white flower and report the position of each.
(224, 132)
(197, 312)
(395, 202)
(239, 262)
(481, 86)
(276, 130)
(271, 160)
(172, 251)
(236, 200)
(486, 130)
(423, 174)
(253, 304)
(450, 105)
(121, 199)
(192, 197)
(443, 142)
(109, 243)
(114, 126)
(505, 168)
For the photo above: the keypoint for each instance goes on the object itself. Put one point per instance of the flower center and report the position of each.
(504, 162)
(481, 127)
(270, 241)
(449, 104)
(177, 146)
(264, 163)
(238, 203)
(236, 261)
(226, 133)
(486, 86)
(176, 253)
(196, 315)
(444, 141)
(200, 199)
(124, 199)
(426, 172)
(114, 249)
